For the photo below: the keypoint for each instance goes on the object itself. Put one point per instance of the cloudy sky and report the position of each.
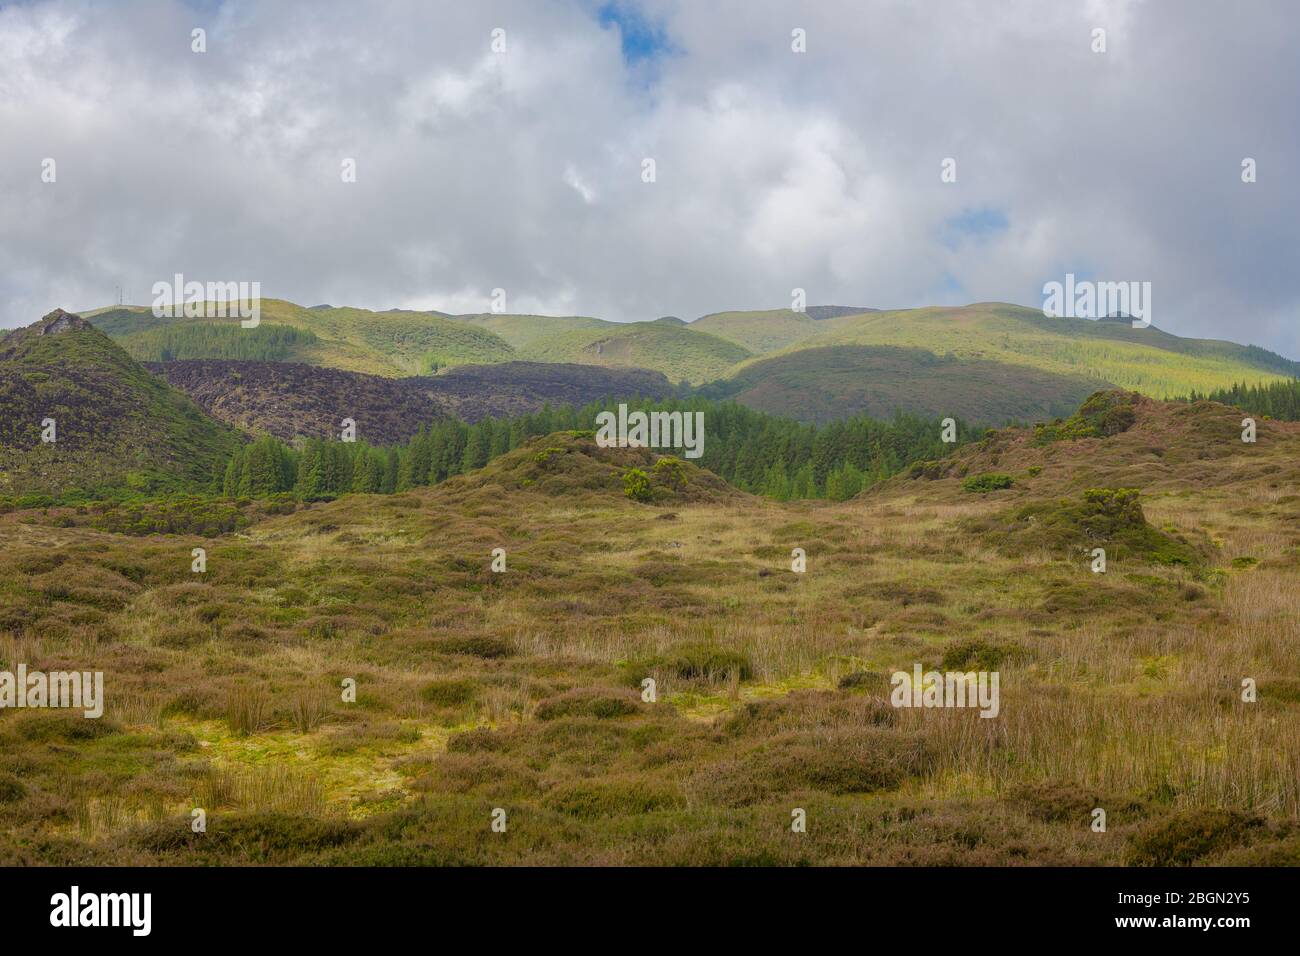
(522, 169)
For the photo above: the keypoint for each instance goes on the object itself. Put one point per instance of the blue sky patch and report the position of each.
(642, 40)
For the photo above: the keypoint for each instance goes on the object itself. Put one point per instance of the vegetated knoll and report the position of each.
(825, 384)
(1125, 440)
(1075, 484)
(291, 400)
(678, 351)
(115, 426)
(570, 466)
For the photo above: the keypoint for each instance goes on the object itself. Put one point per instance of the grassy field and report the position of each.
(519, 691)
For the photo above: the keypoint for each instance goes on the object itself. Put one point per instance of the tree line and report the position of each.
(1279, 400)
(751, 450)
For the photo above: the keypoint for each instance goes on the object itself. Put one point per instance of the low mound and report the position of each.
(1107, 518)
(569, 465)
(1124, 440)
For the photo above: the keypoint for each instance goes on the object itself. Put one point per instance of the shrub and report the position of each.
(598, 798)
(488, 648)
(670, 472)
(449, 693)
(636, 484)
(601, 703)
(1103, 414)
(987, 482)
(1186, 837)
(929, 470)
(859, 760)
(693, 662)
(11, 788)
(975, 654)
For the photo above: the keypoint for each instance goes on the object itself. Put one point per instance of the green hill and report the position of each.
(116, 426)
(522, 331)
(680, 352)
(759, 332)
(825, 384)
(1149, 360)
(1025, 364)
(394, 343)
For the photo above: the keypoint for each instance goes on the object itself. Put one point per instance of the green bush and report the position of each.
(636, 484)
(670, 472)
(701, 662)
(987, 482)
(600, 703)
(489, 648)
(449, 693)
(1102, 415)
(975, 654)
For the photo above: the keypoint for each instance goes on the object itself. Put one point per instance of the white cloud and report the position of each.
(522, 171)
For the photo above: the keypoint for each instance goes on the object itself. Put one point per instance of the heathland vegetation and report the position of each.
(519, 689)
(353, 654)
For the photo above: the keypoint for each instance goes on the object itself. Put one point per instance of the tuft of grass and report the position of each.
(246, 710)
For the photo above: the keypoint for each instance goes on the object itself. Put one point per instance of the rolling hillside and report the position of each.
(759, 332)
(1146, 360)
(772, 329)
(116, 426)
(380, 343)
(678, 351)
(829, 383)
(522, 331)
(996, 361)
